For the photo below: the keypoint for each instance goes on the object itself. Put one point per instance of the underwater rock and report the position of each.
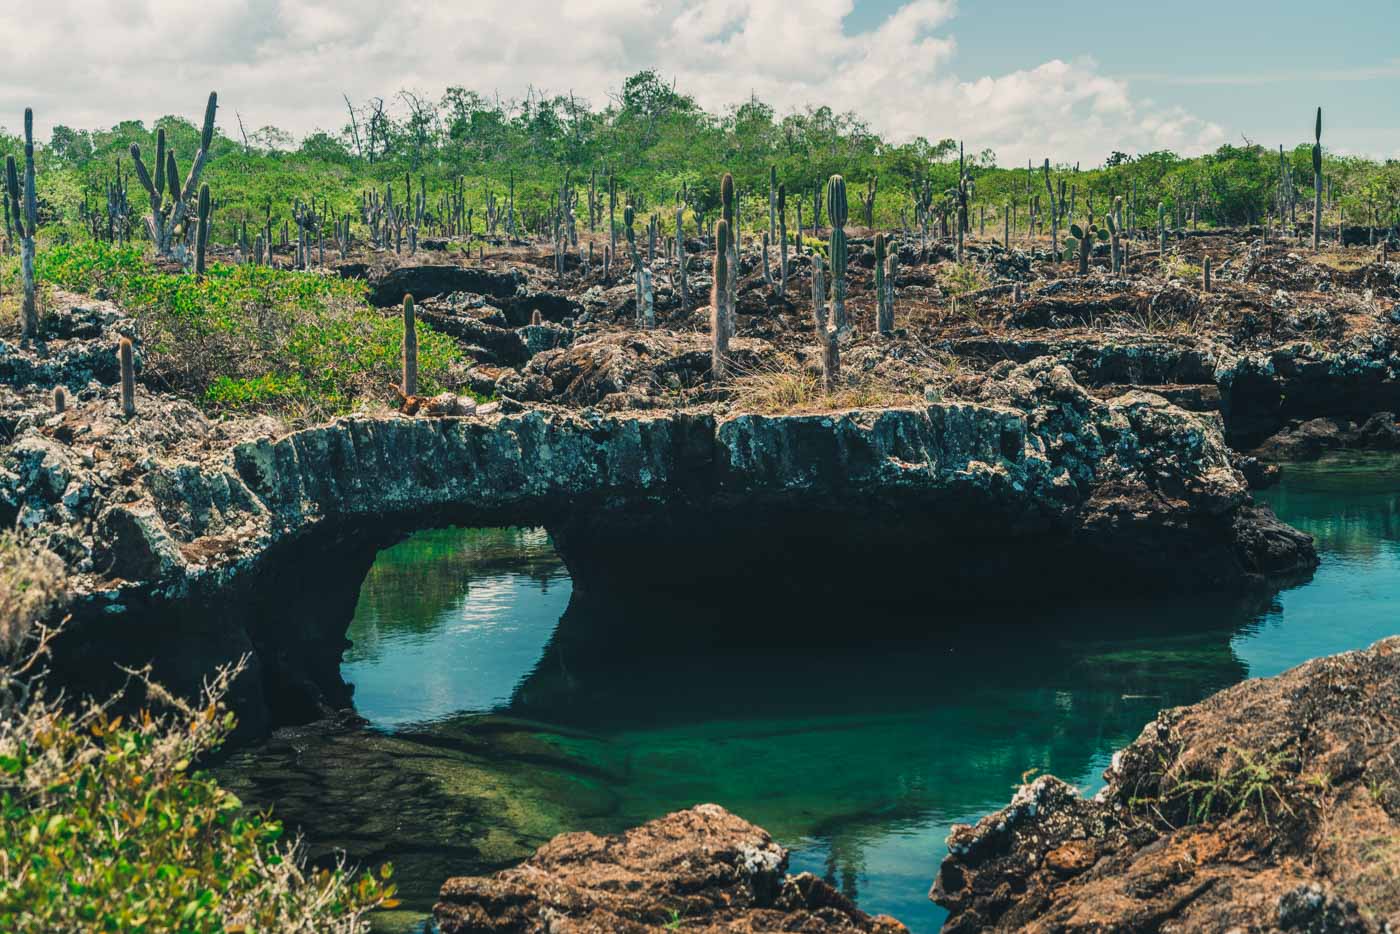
(701, 869)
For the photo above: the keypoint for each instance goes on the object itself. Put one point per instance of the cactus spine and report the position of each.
(410, 349)
(719, 300)
(836, 213)
(1317, 182)
(26, 221)
(126, 359)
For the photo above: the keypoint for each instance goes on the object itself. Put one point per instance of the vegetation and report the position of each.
(107, 823)
(249, 337)
(654, 141)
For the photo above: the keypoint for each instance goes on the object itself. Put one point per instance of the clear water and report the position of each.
(503, 709)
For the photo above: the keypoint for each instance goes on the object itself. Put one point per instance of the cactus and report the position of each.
(1115, 233)
(891, 262)
(536, 319)
(868, 201)
(1162, 230)
(728, 212)
(884, 318)
(782, 241)
(26, 226)
(1317, 183)
(60, 400)
(680, 252)
(836, 213)
(960, 195)
(1054, 212)
(719, 300)
(1084, 240)
(772, 202)
(409, 386)
(826, 335)
(648, 299)
(126, 359)
(1205, 276)
(166, 223)
(202, 234)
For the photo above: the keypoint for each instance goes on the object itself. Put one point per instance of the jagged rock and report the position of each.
(702, 869)
(1273, 805)
(424, 282)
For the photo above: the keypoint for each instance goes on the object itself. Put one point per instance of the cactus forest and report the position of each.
(472, 518)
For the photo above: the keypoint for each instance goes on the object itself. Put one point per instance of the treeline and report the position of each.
(655, 142)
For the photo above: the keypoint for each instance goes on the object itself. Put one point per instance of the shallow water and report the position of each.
(503, 708)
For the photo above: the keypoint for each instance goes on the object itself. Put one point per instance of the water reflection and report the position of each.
(506, 708)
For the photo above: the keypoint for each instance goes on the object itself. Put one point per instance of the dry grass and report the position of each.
(31, 583)
(1345, 260)
(785, 387)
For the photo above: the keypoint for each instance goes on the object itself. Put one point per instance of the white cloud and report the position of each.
(287, 62)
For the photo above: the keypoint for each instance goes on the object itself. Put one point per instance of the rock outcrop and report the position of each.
(701, 869)
(1273, 805)
(1028, 478)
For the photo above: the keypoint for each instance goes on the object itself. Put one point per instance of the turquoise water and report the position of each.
(504, 708)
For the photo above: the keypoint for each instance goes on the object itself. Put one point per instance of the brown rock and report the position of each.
(701, 869)
(1269, 806)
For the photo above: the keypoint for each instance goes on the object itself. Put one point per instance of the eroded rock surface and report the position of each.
(1273, 805)
(702, 869)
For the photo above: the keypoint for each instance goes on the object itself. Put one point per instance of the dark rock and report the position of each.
(423, 282)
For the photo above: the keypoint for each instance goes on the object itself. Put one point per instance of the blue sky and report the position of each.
(1028, 80)
(1255, 68)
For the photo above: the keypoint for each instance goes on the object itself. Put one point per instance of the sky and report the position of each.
(1029, 80)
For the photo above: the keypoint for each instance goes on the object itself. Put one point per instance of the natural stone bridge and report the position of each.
(260, 547)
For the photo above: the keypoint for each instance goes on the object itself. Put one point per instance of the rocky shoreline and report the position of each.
(1272, 805)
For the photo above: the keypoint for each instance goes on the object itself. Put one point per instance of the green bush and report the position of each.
(252, 338)
(105, 825)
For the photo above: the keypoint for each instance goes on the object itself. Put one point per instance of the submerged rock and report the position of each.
(1273, 805)
(701, 869)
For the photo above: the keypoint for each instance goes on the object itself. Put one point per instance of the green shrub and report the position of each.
(251, 338)
(106, 825)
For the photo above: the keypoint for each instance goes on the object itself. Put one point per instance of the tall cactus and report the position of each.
(772, 202)
(202, 234)
(410, 349)
(126, 361)
(729, 211)
(960, 196)
(826, 335)
(1162, 231)
(26, 221)
(719, 300)
(1317, 182)
(836, 214)
(782, 241)
(680, 251)
(884, 319)
(166, 223)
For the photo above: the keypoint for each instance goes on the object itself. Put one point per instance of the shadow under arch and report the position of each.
(833, 724)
